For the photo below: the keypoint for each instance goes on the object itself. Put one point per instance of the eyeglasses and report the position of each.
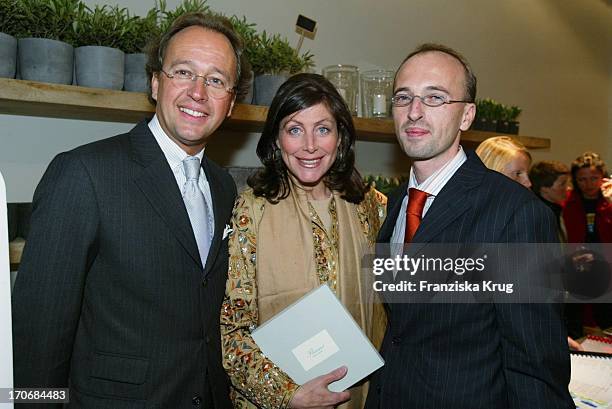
(216, 86)
(431, 100)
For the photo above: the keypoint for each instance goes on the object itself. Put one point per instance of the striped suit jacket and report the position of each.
(111, 298)
(469, 356)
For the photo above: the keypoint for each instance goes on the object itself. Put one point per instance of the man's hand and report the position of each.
(314, 393)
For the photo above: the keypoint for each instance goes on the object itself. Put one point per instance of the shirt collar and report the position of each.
(434, 183)
(173, 153)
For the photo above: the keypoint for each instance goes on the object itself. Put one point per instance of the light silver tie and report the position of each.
(196, 206)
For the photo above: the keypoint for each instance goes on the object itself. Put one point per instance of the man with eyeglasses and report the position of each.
(461, 355)
(122, 279)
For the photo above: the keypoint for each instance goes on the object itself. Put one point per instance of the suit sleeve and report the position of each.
(533, 336)
(252, 374)
(47, 297)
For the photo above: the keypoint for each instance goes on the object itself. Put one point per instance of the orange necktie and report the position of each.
(414, 210)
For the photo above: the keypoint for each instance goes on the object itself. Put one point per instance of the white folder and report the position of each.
(316, 335)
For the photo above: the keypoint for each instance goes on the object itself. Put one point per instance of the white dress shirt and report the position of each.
(432, 185)
(175, 155)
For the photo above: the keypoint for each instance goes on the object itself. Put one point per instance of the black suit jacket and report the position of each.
(487, 355)
(111, 298)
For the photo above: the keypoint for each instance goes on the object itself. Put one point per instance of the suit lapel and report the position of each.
(220, 208)
(454, 199)
(158, 185)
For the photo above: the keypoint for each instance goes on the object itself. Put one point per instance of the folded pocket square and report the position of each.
(227, 231)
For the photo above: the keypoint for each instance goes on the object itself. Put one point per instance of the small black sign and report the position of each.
(305, 23)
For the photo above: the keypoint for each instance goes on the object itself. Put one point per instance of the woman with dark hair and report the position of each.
(307, 219)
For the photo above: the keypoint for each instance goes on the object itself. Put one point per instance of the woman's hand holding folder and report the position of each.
(314, 394)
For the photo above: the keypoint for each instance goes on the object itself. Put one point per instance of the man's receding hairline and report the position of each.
(208, 29)
(452, 57)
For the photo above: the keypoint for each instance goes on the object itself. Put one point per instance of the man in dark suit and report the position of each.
(462, 355)
(121, 282)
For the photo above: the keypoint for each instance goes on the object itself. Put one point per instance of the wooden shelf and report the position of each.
(31, 98)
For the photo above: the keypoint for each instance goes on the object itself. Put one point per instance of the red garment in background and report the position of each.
(574, 218)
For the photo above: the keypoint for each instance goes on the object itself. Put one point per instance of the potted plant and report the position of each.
(486, 112)
(477, 124)
(99, 63)
(187, 6)
(138, 31)
(513, 124)
(501, 115)
(46, 37)
(11, 20)
(248, 33)
(273, 61)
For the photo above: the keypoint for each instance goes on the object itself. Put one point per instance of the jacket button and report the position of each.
(378, 389)
(396, 340)
(196, 401)
(205, 282)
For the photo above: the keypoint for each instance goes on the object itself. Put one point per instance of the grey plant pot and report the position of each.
(248, 97)
(45, 60)
(135, 73)
(266, 86)
(99, 67)
(8, 56)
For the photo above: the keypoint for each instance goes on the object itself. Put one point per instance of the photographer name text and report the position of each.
(457, 286)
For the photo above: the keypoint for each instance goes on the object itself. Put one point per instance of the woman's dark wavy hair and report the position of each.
(300, 92)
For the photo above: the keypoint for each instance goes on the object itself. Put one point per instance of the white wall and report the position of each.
(551, 57)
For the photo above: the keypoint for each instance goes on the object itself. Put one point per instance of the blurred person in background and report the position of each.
(587, 215)
(506, 156)
(550, 181)
(588, 210)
